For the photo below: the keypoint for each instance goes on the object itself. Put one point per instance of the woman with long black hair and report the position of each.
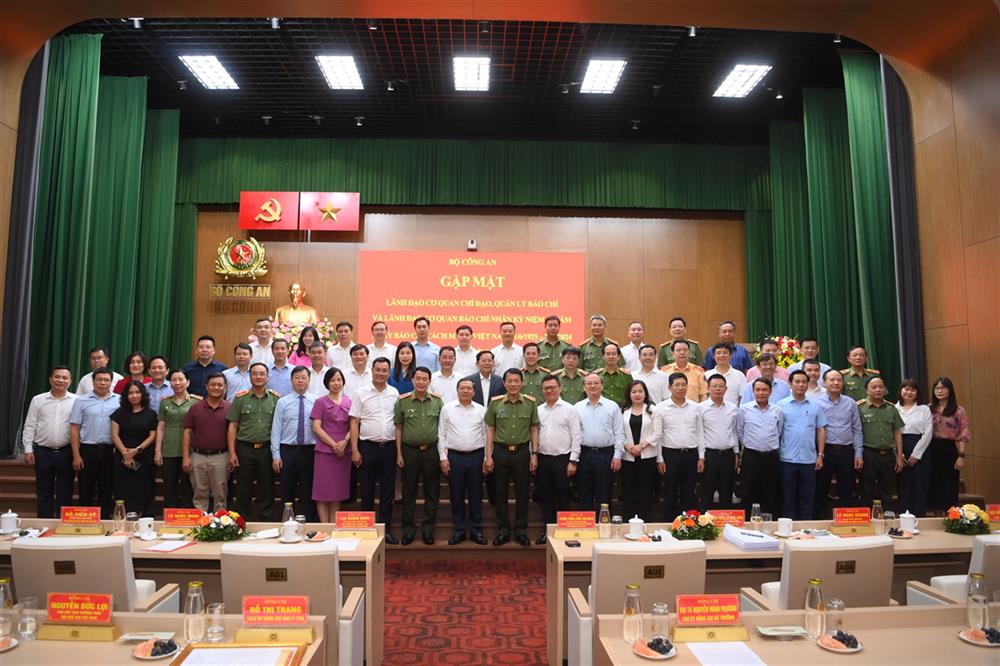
(951, 437)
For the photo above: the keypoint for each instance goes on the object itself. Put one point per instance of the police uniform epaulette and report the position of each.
(614, 342)
(542, 368)
(529, 397)
(274, 393)
(863, 400)
(194, 396)
(433, 394)
(561, 372)
(240, 393)
(405, 394)
(692, 342)
(873, 371)
(586, 341)
(498, 397)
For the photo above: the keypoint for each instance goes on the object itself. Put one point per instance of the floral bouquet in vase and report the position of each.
(694, 525)
(966, 519)
(291, 332)
(220, 526)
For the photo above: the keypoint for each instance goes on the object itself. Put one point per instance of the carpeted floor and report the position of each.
(465, 613)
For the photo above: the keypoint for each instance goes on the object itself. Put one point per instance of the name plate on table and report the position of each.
(575, 525)
(180, 521)
(709, 618)
(355, 525)
(734, 517)
(852, 521)
(81, 520)
(270, 619)
(993, 511)
(74, 616)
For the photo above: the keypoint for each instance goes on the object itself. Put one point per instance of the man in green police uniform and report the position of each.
(512, 453)
(416, 419)
(615, 380)
(532, 372)
(678, 331)
(249, 439)
(856, 377)
(881, 431)
(552, 346)
(569, 377)
(592, 349)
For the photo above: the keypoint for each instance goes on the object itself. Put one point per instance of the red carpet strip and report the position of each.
(465, 613)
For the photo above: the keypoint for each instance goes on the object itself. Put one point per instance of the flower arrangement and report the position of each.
(220, 526)
(789, 352)
(694, 525)
(291, 332)
(967, 519)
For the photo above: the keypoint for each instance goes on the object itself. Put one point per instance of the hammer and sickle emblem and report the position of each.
(270, 211)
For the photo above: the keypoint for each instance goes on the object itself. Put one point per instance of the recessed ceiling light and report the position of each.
(692, 31)
(340, 72)
(602, 76)
(741, 80)
(209, 72)
(472, 73)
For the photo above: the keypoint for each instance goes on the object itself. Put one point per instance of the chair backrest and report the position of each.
(662, 570)
(857, 570)
(98, 565)
(276, 569)
(986, 560)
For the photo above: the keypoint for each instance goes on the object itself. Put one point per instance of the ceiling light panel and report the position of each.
(340, 72)
(741, 80)
(472, 73)
(209, 72)
(602, 76)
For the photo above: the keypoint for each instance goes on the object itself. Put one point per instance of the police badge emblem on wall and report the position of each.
(241, 259)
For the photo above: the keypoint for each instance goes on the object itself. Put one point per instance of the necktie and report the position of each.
(300, 433)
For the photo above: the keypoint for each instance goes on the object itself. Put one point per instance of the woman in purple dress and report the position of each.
(332, 467)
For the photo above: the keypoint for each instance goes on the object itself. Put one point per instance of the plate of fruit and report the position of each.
(657, 649)
(840, 642)
(897, 533)
(155, 649)
(316, 536)
(989, 637)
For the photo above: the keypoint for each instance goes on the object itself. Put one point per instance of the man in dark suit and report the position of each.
(485, 377)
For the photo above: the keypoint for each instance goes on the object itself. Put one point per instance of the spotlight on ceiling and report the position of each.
(317, 118)
(372, 24)
(484, 27)
(635, 124)
(275, 22)
(778, 95)
(136, 22)
(837, 39)
(564, 88)
(390, 86)
(266, 119)
(657, 88)
(216, 120)
(692, 31)
(359, 121)
(183, 85)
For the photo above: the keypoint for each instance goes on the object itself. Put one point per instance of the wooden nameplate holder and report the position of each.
(72, 529)
(79, 632)
(275, 635)
(710, 634)
(865, 529)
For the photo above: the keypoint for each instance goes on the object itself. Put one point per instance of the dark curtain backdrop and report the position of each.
(181, 287)
(831, 223)
(872, 212)
(760, 274)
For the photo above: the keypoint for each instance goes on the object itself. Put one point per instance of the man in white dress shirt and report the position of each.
(99, 358)
(465, 353)
(654, 378)
(677, 427)
(507, 354)
(735, 380)
(559, 440)
(813, 369)
(444, 382)
(317, 369)
(379, 347)
(461, 451)
(602, 446)
(718, 447)
(46, 444)
(358, 374)
(630, 351)
(261, 348)
(339, 353)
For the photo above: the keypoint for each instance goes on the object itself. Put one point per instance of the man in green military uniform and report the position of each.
(570, 378)
(416, 419)
(249, 439)
(678, 331)
(881, 432)
(856, 377)
(532, 372)
(552, 346)
(512, 453)
(592, 349)
(615, 379)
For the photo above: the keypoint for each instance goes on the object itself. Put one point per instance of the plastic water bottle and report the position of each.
(977, 601)
(878, 517)
(604, 522)
(118, 517)
(815, 609)
(632, 614)
(194, 613)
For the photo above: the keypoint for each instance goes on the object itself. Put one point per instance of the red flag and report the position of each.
(269, 211)
(330, 211)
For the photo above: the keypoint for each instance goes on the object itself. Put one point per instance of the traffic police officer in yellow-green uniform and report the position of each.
(856, 377)
(678, 331)
(532, 372)
(550, 348)
(512, 454)
(881, 432)
(592, 349)
(615, 379)
(570, 377)
(249, 438)
(416, 417)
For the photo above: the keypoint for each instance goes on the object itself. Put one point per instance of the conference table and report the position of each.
(362, 567)
(899, 634)
(933, 552)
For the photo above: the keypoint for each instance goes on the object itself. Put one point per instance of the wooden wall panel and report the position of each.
(620, 283)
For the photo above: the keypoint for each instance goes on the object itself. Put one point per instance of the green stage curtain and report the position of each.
(60, 271)
(831, 223)
(480, 173)
(793, 303)
(156, 283)
(760, 270)
(872, 212)
(114, 223)
(181, 304)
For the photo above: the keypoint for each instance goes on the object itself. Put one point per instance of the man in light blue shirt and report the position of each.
(425, 351)
(758, 427)
(279, 379)
(602, 444)
(238, 376)
(158, 387)
(810, 350)
(803, 438)
(293, 444)
(90, 440)
(843, 453)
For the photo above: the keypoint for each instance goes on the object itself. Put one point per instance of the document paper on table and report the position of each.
(729, 653)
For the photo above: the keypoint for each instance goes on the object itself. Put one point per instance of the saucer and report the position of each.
(294, 539)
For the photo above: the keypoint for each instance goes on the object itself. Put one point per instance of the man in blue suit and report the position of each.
(486, 384)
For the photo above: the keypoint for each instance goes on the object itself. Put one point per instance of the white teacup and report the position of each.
(635, 526)
(9, 522)
(143, 527)
(290, 530)
(908, 522)
(784, 527)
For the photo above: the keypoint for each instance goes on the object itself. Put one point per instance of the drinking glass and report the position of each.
(835, 616)
(890, 520)
(27, 624)
(766, 525)
(216, 630)
(659, 620)
(7, 616)
(616, 527)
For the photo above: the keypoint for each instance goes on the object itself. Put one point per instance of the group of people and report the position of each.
(327, 418)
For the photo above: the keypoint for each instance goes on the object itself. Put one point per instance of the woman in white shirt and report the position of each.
(642, 458)
(918, 427)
